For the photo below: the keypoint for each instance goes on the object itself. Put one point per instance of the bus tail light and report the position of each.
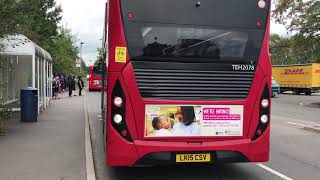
(262, 4)
(117, 101)
(118, 111)
(265, 103)
(264, 115)
(117, 118)
(264, 119)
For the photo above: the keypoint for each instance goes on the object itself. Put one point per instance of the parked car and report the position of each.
(275, 87)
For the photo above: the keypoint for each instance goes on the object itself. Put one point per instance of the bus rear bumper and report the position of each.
(141, 152)
(92, 87)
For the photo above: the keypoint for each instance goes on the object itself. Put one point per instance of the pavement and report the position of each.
(294, 150)
(51, 149)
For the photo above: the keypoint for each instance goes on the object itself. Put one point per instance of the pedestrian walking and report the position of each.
(71, 85)
(53, 87)
(75, 82)
(80, 85)
(63, 85)
(57, 88)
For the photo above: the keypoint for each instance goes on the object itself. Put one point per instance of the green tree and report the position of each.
(100, 57)
(8, 23)
(65, 52)
(41, 18)
(37, 19)
(8, 20)
(280, 49)
(302, 18)
(295, 49)
(5, 109)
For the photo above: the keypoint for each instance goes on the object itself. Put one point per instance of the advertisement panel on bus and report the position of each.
(196, 120)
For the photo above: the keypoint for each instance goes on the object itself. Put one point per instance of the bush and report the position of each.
(5, 110)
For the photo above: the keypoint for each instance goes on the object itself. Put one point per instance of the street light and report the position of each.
(81, 43)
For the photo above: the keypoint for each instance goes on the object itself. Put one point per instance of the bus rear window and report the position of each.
(155, 40)
(96, 71)
(218, 29)
(193, 42)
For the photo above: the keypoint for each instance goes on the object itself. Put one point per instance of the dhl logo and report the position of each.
(317, 71)
(293, 71)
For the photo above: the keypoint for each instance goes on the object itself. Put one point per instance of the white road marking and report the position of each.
(99, 116)
(303, 125)
(274, 172)
(285, 118)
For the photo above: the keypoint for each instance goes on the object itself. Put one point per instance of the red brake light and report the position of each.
(259, 132)
(124, 132)
(258, 23)
(130, 15)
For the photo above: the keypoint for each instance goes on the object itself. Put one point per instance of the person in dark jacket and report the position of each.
(80, 85)
(71, 85)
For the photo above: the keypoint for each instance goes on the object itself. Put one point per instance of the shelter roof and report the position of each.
(21, 45)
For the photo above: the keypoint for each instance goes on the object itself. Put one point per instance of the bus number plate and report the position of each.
(193, 157)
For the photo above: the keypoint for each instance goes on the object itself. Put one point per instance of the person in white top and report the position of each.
(187, 125)
(161, 126)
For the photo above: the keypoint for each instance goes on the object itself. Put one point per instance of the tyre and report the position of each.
(296, 92)
(308, 93)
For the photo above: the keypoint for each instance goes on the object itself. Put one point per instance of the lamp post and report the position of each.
(81, 43)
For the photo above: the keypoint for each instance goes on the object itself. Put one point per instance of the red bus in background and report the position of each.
(188, 82)
(95, 78)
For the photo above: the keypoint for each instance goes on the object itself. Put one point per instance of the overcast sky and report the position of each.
(86, 18)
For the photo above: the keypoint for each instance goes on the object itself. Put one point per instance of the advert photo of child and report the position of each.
(161, 126)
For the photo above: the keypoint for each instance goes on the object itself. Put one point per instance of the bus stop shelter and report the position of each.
(25, 64)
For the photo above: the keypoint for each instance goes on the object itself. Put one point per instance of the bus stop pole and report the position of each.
(81, 43)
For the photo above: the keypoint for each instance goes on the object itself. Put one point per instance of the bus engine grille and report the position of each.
(191, 81)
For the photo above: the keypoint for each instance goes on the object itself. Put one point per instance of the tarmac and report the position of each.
(51, 149)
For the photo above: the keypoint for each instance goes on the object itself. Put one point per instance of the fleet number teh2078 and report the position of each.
(243, 67)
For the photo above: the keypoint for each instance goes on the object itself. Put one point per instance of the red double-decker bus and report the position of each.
(188, 82)
(95, 78)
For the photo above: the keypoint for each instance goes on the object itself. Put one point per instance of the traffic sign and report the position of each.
(78, 62)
